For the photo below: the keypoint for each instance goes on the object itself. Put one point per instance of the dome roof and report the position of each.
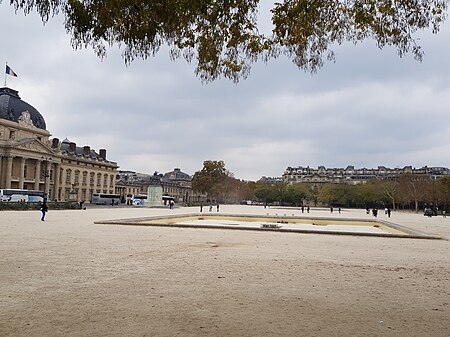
(11, 108)
(176, 174)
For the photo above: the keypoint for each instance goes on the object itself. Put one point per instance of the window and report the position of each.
(68, 176)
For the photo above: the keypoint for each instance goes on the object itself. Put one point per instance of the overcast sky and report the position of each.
(370, 108)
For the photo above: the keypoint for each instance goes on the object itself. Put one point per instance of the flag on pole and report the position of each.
(9, 71)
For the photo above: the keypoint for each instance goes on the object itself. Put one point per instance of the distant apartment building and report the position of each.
(271, 180)
(352, 175)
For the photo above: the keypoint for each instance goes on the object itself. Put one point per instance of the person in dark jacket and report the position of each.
(44, 210)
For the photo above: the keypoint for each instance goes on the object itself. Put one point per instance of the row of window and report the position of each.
(98, 178)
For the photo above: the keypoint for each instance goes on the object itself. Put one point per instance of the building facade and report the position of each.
(271, 180)
(130, 182)
(352, 175)
(174, 183)
(30, 160)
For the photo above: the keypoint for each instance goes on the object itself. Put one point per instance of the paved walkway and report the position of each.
(70, 277)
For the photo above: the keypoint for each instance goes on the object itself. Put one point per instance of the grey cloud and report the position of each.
(369, 108)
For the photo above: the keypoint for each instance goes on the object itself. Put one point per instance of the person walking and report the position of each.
(44, 210)
(389, 212)
(375, 212)
(217, 207)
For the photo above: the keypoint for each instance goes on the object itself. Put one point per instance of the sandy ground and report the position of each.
(69, 277)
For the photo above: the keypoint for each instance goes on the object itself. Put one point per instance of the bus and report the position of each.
(136, 199)
(167, 199)
(16, 195)
(131, 197)
(105, 199)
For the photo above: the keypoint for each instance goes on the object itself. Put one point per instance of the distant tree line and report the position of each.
(408, 191)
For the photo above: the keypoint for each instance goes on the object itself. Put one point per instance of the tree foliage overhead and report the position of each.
(221, 37)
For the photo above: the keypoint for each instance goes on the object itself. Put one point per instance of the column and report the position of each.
(21, 173)
(71, 195)
(80, 189)
(37, 175)
(47, 177)
(1, 171)
(72, 179)
(63, 185)
(9, 163)
(56, 182)
(102, 182)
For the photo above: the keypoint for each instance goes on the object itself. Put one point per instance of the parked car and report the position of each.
(138, 202)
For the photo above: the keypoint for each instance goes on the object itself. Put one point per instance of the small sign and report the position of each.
(270, 225)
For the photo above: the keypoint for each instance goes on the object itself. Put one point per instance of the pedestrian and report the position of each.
(201, 208)
(303, 208)
(44, 210)
(331, 209)
(444, 215)
(375, 212)
(210, 208)
(339, 210)
(389, 212)
(307, 209)
(217, 207)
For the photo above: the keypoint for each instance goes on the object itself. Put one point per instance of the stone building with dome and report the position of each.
(30, 159)
(176, 184)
